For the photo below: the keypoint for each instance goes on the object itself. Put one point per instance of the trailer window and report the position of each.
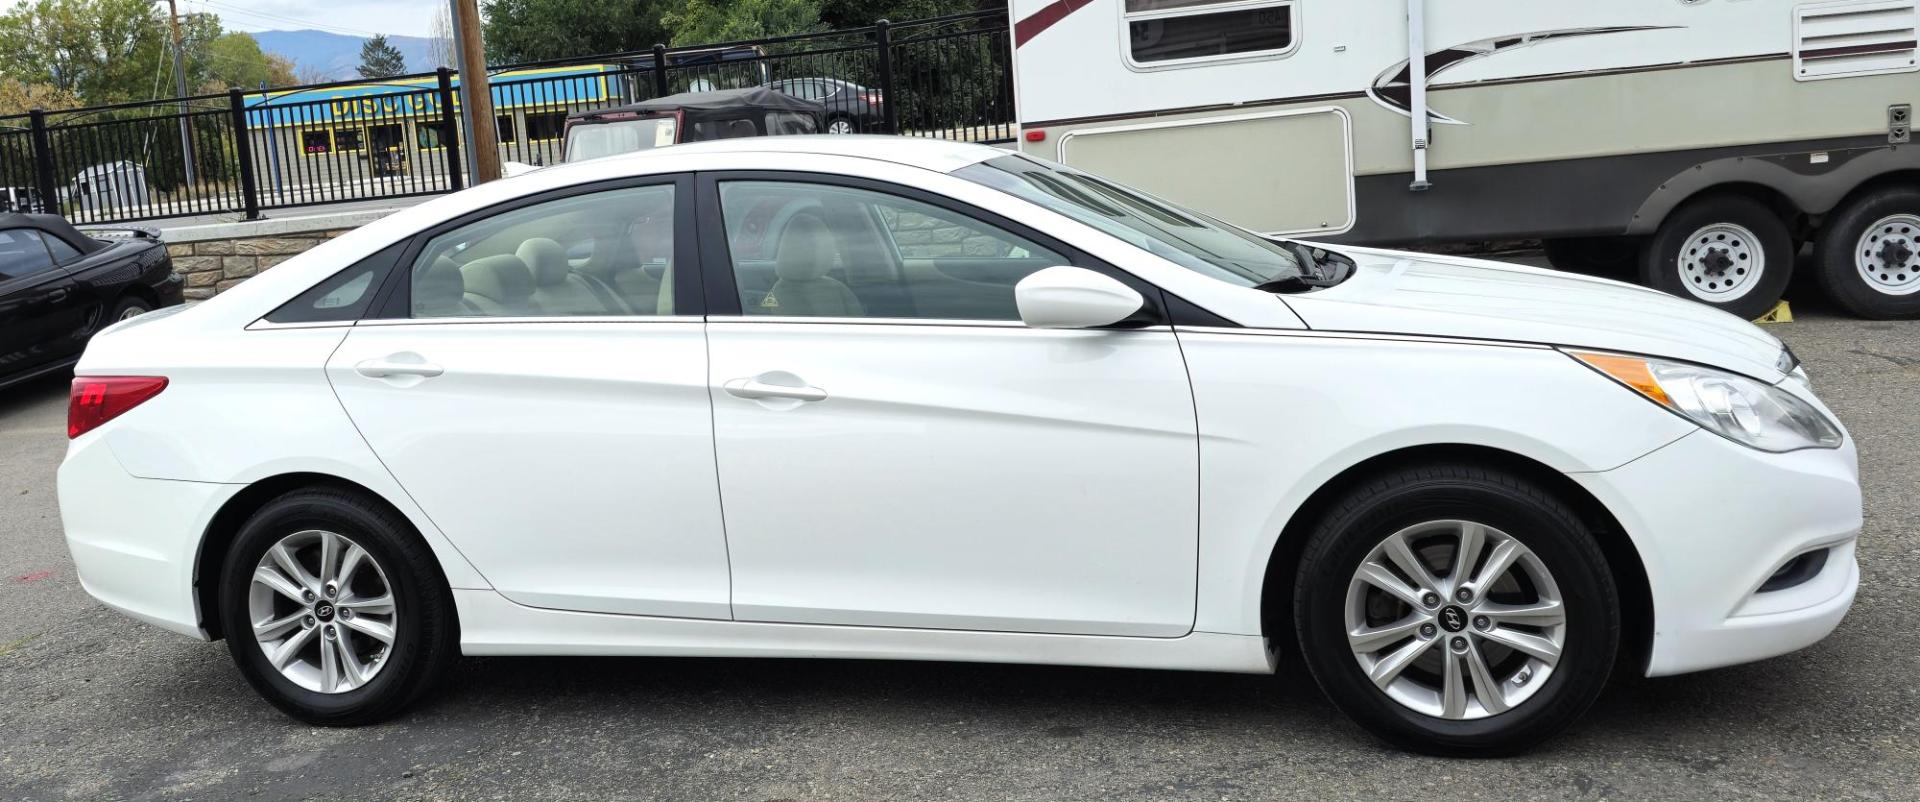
(1170, 32)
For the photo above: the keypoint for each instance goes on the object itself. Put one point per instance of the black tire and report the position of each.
(130, 305)
(1388, 503)
(1839, 272)
(1660, 256)
(427, 632)
(1613, 257)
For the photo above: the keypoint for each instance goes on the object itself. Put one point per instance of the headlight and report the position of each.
(1732, 406)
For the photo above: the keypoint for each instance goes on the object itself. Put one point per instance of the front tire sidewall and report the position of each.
(1660, 256)
(1560, 542)
(420, 601)
(1839, 274)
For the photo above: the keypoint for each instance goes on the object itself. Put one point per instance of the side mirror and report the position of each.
(1074, 298)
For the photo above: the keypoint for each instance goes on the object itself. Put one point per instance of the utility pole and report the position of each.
(476, 94)
(180, 88)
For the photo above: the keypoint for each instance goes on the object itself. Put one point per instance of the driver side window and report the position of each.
(820, 250)
(597, 255)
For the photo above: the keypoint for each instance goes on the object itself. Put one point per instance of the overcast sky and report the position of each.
(351, 17)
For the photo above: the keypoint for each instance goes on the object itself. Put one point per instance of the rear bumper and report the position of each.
(135, 541)
(1713, 521)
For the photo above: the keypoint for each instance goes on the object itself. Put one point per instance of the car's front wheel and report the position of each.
(1457, 610)
(334, 609)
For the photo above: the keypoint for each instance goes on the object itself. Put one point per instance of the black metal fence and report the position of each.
(249, 151)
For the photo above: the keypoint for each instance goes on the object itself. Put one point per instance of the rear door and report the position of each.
(896, 449)
(541, 393)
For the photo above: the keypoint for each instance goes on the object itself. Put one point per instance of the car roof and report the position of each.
(939, 155)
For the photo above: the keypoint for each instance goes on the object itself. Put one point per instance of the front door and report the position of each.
(896, 449)
(39, 314)
(544, 401)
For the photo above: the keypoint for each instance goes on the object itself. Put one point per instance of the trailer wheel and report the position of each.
(1727, 251)
(1599, 256)
(1869, 256)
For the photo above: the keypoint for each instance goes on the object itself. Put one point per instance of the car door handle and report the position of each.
(391, 367)
(756, 389)
(58, 294)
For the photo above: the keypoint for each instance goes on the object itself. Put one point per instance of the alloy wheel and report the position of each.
(322, 611)
(840, 127)
(1721, 262)
(1455, 619)
(1888, 255)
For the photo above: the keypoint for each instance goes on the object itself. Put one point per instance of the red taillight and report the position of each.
(1036, 135)
(870, 97)
(98, 399)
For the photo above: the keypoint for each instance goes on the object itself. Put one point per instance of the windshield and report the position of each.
(593, 140)
(1187, 238)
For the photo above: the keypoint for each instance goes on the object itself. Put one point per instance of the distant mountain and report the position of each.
(336, 55)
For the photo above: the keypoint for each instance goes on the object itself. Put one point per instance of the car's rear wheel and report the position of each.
(1727, 251)
(334, 610)
(1457, 610)
(840, 125)
(128, 308)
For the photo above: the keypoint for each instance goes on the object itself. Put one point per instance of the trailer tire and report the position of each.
(1727, 251)
(1869, 255)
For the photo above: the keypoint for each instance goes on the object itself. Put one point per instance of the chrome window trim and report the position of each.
(547, 319)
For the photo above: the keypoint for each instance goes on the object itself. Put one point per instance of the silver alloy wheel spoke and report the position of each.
(1534, 645)
(1380, 577)
(1389, 668)
(1375, 639)
(1537, 614)
(1453, 686)
(272, 578)
(1485, 688)
(1477, 641)
(323, 612)
(372, 629)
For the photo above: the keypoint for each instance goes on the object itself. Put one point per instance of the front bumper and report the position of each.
(1713, 521)
(135, 541)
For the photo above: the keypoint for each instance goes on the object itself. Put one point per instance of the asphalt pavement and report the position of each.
(96, 706)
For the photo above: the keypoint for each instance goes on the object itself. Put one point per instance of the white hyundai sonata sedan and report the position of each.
(886, 398)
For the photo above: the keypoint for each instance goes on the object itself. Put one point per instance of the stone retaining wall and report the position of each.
(212, 266)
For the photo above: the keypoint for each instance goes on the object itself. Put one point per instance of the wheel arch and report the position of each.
(225, 525)
(1624, 561)
(1897, 179)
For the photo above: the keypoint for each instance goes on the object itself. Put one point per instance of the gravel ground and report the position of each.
(97, 706)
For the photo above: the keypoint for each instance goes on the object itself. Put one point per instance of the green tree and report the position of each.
(379, 59)
(710, 21)
(519, 31)
(235, 59)
(844, 14)
(101, 51)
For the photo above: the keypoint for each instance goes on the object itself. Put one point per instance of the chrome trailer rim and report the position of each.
(322, 611)
(1888, 255)
(1721, 262)
(1455, 619)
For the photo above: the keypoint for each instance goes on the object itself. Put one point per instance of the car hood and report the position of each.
(1422, 294)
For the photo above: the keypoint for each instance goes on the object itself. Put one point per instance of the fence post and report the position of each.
(660, 71)
(243, 146)
(450, 130)
(43, 162)
(883, 39)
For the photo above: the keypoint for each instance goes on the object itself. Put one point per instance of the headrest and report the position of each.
(502, 279)
(437, 289)
(546, 259)
(806, 249)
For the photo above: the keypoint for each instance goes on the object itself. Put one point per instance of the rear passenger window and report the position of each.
(598, 255)
(22, 254)
(817, 250)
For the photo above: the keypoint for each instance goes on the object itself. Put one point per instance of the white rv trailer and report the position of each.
(1701, 141)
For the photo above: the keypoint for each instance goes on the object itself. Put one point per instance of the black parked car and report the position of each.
(59, 286)
(851, 108)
